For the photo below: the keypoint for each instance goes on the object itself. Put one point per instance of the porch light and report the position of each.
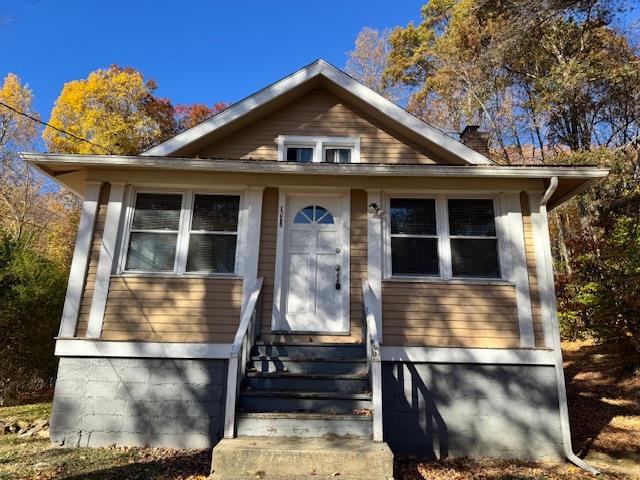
(374, 210)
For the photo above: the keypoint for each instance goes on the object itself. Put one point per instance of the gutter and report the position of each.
(559, 364)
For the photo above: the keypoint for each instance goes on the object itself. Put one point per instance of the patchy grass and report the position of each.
(33, 458)
(28, 413)
(604, 403)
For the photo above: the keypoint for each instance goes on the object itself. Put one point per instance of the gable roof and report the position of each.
(319, 73)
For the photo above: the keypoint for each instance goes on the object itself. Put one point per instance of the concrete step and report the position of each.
(298, 364)
(323, 350)
(307, 425)
(294, 401)
(320, 382)
(281, 457)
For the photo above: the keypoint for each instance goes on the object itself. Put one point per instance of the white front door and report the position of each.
(314, 286)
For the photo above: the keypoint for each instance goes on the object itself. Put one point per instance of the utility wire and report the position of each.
(37, 120)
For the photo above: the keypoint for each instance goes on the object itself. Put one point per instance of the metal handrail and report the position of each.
(372, 342)
(243, 342)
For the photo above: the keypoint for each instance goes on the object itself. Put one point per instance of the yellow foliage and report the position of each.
(16, 130)
(114, 108)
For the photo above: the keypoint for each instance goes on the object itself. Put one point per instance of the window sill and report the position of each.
(453, 281)
(231, 276)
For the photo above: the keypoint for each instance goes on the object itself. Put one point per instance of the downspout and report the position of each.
(553, 316)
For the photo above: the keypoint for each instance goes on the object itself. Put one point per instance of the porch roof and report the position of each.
(68, 169)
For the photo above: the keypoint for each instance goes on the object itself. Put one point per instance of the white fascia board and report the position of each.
(339, 78)
(75, 347)
(487, 356)
(255, 166)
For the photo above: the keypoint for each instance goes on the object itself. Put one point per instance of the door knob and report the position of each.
(337, 250)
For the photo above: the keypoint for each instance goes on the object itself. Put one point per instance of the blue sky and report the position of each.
(197, 51)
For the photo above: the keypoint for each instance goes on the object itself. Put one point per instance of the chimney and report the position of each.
(476, 140)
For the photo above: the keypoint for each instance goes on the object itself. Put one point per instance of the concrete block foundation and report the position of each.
(125, 401)
(440, 410)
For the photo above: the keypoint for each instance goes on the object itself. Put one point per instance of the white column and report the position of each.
(80, 261)
(519, 275)
(249, 240)
(105, 262)
(374, 257)
(546, 290)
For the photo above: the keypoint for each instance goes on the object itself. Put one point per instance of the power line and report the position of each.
(37, 120)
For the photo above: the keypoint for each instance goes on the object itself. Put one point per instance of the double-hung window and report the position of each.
(303, 149)
(182, 232)
(414, 238)
(474, 240)
(443, 238)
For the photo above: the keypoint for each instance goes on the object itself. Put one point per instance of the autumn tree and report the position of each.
(540, 76)
(188, 116)
(37, 225)
(368, 61)
(113, 108)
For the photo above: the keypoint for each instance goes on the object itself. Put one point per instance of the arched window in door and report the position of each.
(313, 214)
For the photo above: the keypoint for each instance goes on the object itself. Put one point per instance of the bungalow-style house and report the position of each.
(313, 262)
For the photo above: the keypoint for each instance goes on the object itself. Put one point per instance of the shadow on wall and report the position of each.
(436, 410)
(416, 427)
(127, 401)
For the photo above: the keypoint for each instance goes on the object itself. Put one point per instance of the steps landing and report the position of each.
(290, 458)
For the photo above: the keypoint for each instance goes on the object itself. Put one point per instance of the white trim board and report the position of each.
(321, 68)
(80, 261)
(488, 356)
(71, 347)
(105, 260)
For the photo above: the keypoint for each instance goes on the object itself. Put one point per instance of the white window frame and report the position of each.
(318, 144)
(444, 245)
(437, 235)
(184, 232)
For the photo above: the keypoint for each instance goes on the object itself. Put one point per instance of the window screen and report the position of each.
(474, 243)
(414, 242)
(154, 232)
(213, 235)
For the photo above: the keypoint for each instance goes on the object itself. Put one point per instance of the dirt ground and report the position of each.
(604, 403)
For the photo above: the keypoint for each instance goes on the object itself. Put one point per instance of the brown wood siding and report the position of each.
(359, 257)
(199, 310)
(449, 315)
(318, 113)
(530, 252)
(267, 256)
(96, 244)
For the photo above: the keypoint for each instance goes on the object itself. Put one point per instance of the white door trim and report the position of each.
(345, 193)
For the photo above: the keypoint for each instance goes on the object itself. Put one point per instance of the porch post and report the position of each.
(249, 240)
(519, 275)
(105, 260)
(374, 257)
(546, 290)
(80, 261)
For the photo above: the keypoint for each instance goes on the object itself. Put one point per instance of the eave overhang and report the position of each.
(62, 167)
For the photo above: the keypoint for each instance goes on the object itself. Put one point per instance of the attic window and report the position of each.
(318, 149)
